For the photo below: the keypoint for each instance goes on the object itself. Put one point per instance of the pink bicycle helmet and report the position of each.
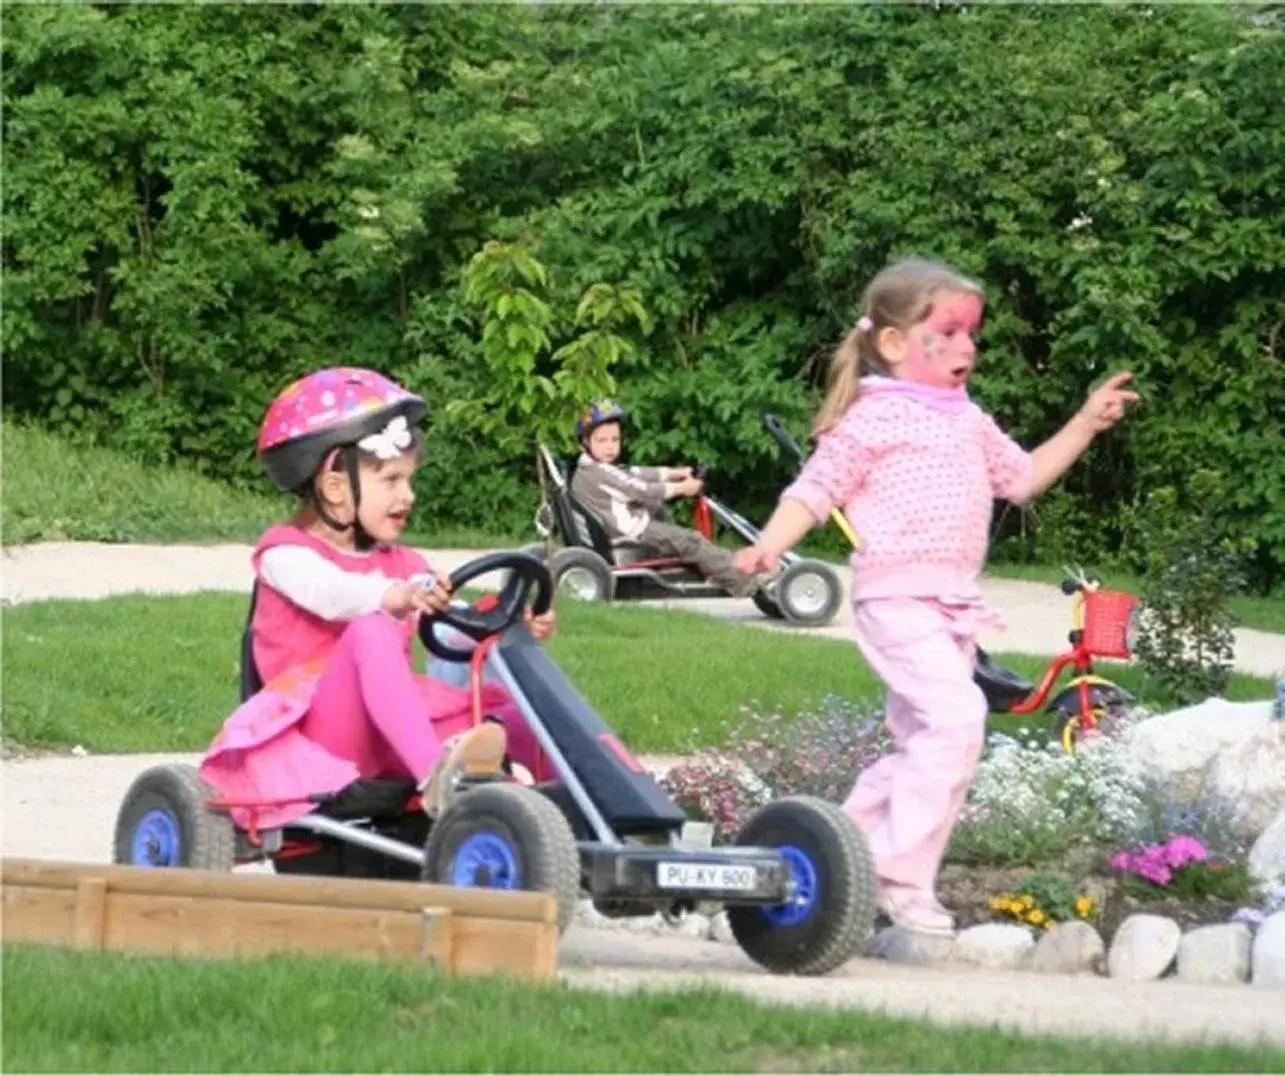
(330, 409)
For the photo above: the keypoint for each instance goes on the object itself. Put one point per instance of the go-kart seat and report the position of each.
(1002, 687)
(578, 525)
(581, 527)
(251, 681)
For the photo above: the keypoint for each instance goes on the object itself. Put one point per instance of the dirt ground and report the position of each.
(63, 807)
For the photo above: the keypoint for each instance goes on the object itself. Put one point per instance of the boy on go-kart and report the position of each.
(629, 502)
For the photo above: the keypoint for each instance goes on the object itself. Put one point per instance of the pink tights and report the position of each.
(907, 803)
(371, 709)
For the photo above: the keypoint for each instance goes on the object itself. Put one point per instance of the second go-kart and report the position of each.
(798, 883)
(592, 567)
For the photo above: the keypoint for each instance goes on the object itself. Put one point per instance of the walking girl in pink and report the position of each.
(336, 608)
(915, 465)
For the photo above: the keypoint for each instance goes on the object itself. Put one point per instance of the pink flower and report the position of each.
(1184, 849)
(1156, 873)
(1121, 861)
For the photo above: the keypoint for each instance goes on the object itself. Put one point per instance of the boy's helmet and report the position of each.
(596, 414)
(329, 409)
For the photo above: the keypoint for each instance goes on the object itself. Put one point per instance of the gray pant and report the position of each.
(712, 561)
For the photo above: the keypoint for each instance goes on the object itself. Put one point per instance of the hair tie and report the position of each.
(865, 324)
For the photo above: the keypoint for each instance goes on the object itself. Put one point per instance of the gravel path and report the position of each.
(63, 807)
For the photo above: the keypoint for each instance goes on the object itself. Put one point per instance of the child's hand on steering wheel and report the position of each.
(540, 626)
(410, 597)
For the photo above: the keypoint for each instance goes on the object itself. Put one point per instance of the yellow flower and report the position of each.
(1000, 903)
(1035, 917)
(1027, 901)
(1084, 907)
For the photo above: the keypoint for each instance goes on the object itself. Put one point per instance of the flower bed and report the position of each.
(1044, 837)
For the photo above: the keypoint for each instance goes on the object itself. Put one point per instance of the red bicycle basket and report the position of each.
(1106, 622)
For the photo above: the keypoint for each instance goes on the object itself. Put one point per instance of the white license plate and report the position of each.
(705, 876)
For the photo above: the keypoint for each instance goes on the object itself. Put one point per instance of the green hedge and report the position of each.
(203, 201)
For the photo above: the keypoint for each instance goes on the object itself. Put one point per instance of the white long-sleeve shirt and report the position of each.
(322, 587)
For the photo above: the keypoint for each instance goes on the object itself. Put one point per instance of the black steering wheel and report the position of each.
(525, 573)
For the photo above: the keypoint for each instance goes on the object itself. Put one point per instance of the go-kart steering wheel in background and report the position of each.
(525, 573)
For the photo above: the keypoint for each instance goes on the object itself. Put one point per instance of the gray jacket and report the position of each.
(623, 499)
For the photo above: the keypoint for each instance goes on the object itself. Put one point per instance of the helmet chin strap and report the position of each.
(361, 537)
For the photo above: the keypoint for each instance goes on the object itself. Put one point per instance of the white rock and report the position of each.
(900, 946)
(1250, 774)
(993, 945)
(1072, 948)
(720, 930)
(644, 924)
(693, 925)
(1267, 856)
(698, 834)
(1179, 747)
(1215, 954)
(1269, 953)
(1143, 947)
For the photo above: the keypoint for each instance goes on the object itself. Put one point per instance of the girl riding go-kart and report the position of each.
(342, 761)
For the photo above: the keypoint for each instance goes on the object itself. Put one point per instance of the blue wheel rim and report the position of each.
(156, 841)
(805, 890)
(485, 859)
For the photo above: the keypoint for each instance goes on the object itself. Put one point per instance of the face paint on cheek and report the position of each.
(924, 354)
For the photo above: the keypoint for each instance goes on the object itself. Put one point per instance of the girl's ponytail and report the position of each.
(841, 383)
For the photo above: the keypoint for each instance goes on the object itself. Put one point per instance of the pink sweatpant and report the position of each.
(371, 709)
(907, 803)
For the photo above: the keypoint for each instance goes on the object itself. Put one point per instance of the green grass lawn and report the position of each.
(160, 673)
(98, 1012)
(57, 490)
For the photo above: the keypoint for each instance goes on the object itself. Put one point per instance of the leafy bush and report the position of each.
(306, 188)
(1186, 642)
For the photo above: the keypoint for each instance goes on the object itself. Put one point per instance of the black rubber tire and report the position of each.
(845, 904)
(206, 838)
(831, 596)
(537, 833)
(768, 605)
(1064, 730)
(588, 566)
(1065, 709)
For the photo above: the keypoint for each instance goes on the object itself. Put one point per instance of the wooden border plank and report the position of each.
(299, 889)
(91, 913)
(111, 907)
